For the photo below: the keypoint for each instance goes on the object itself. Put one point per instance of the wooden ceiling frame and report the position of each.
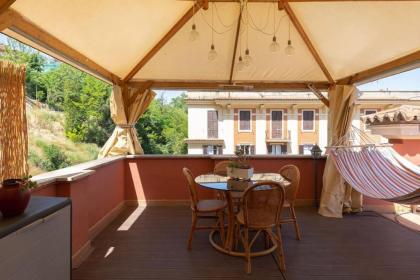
(162, 42)
(235, 45)
(32, 32)
(308, 43)
(396, 66)
(5, 20)
(303, 1)
(5, 5)
(319, 94)
(226, 86)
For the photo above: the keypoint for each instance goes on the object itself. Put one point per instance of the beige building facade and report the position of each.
(273, 123)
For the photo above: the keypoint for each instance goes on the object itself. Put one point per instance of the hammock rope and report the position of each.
(375, 170)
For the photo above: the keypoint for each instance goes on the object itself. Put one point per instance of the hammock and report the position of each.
(376, 171)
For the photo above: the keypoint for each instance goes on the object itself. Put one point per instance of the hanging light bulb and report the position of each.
(240, 66)
(289, 50)
(212, 53)
(247, 58)
(274, 46)
(194, 33)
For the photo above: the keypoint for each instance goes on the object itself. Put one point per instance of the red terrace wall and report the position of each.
(157, 178)
(93, 197)
(409, 148)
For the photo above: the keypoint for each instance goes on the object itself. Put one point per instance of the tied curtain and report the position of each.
(13, 126)
(127, 105)
(337, 196)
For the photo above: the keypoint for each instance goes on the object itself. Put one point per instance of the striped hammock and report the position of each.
(378, 171)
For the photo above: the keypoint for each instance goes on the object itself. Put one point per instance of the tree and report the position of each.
(163, 127)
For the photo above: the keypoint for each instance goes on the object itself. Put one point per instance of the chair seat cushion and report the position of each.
(257, 219)
(210, 205)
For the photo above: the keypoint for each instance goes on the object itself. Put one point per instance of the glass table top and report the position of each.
(216, 182)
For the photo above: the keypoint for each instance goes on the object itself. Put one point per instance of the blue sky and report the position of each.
(406, 81)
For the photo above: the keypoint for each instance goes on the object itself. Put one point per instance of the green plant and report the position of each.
(241, 160)
(27, 183)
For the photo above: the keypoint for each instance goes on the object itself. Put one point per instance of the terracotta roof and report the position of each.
(402, 114)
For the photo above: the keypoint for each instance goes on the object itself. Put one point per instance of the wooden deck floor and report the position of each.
(153, 246)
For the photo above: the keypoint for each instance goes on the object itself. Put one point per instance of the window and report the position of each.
(370, 111)
(305, 149)
(308, 120)
(244, 120)
(212, 150)
(247, 149)
(212, 124)
(277, 149)
(276, 124)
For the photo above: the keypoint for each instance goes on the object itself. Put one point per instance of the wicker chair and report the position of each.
(202, 209)
(292, 174)
(260, 211)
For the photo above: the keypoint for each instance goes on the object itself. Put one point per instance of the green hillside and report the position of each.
(49, 149)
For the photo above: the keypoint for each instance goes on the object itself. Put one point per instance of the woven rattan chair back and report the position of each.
(191, 187)
(292, 174)
(220, 168)
(262, 204)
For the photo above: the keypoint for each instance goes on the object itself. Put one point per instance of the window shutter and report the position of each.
(269, 149)
(252, 149)
(245, 120)
(205, 150)
(284, 149)
(308, 118)
(276, 124)
(212, 124)
(220, 150)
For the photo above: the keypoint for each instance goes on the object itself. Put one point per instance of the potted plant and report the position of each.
(15, 195)
(239, 168)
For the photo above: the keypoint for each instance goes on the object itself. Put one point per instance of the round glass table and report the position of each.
(224, 184)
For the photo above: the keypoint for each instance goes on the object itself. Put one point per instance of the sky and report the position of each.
(407, 81)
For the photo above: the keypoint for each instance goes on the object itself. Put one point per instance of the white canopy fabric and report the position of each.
(349, 37)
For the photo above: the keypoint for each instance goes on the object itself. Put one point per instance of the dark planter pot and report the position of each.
(13, 198)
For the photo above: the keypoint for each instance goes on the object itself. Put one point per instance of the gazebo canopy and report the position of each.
(147, 42)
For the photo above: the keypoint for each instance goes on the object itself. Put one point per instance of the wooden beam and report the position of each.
(181, 22)
(318, 94)
(235, 45)
(39, 36)
(297, 1)
(5, 4)
(226, 86)
(5, 20)
(307, 41)
(393, 67)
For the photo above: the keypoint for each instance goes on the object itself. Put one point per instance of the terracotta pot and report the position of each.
(13, 198)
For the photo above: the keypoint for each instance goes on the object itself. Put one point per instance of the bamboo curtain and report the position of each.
(337, 196)
(13, 126)
(127, 106)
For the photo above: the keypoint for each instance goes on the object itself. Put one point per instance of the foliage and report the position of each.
(163, 127)
(54, 157)
(34, 61)
(84, 101)
(241, 160)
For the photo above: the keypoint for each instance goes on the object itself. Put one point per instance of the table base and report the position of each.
(220, 248)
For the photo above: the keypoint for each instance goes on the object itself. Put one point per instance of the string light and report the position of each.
(194, 35)
(289, 50)
(274, 46)
(212, 55)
